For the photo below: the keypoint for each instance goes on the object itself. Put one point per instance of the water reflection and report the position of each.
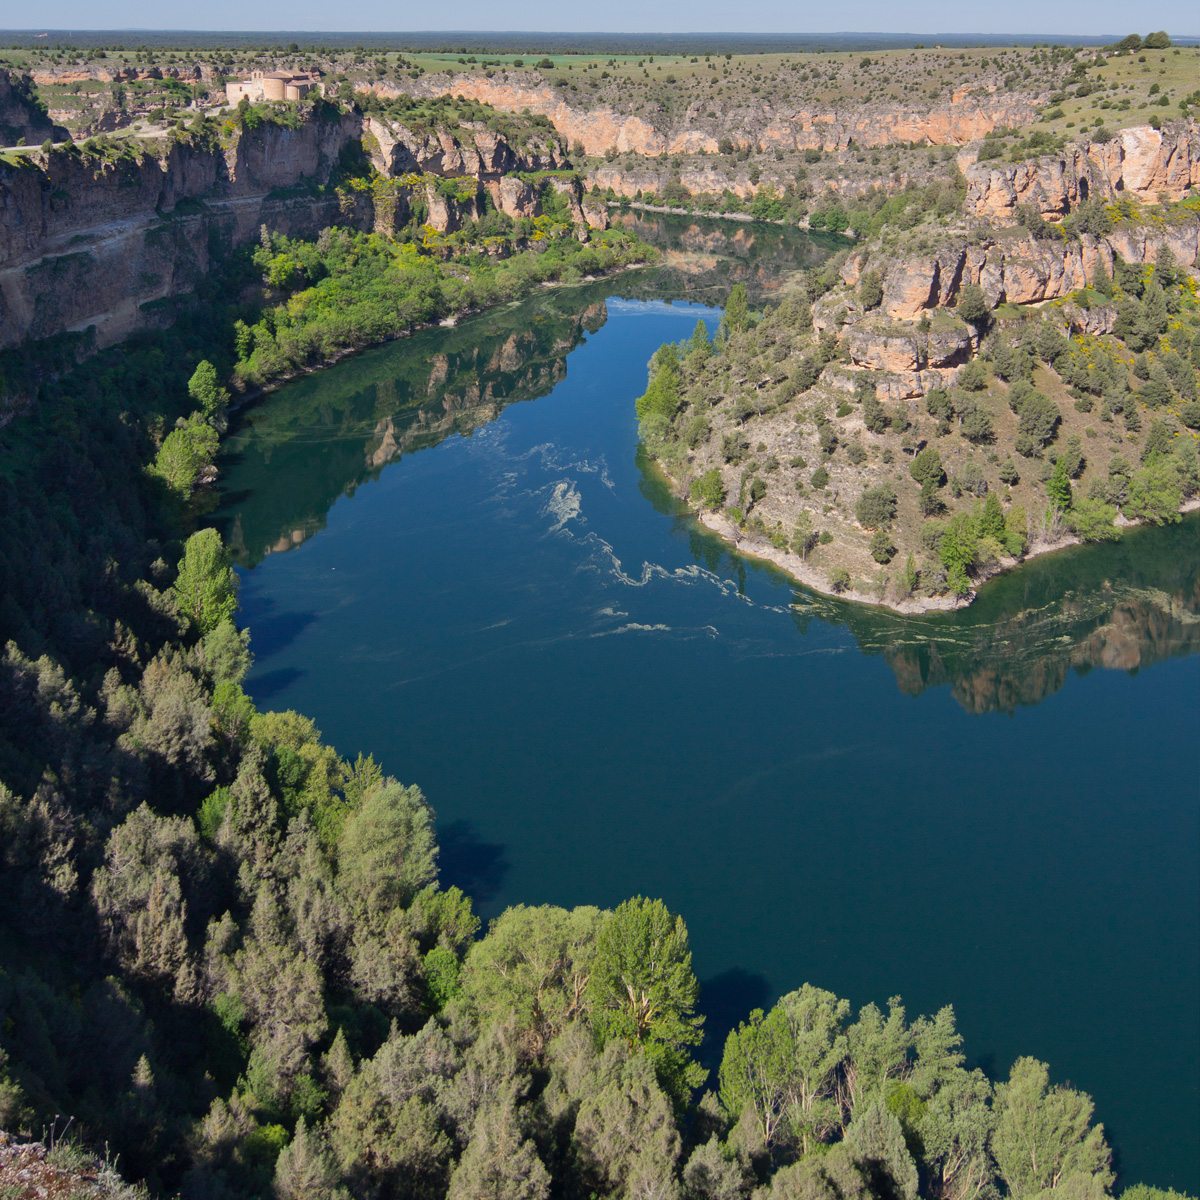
(703, 258)
(291, 458)
(1119, 606)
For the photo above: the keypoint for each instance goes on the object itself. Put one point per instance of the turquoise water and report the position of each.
(456, 559)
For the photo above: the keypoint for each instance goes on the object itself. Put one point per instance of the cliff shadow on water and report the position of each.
(1118, 605)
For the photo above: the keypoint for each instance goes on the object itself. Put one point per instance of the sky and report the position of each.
(1096, 17)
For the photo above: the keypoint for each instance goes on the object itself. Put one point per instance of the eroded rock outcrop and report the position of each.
(1139, 161)
(473, 149)
(1013, 266)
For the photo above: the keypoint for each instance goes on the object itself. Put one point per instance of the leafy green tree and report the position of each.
(955, 1130)
(184, 454)
(708, 490)
(957, 552)
(1092, 520)
(839, 580)
(206, 391)
(780, 1071)
(1044, 1134)
(642, 990)
(661, 398)
(534, 966)
(1155, 492)
(205, 588)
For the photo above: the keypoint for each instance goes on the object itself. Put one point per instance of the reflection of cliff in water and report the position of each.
(703, 258)
(1121, 606)
(319, 438)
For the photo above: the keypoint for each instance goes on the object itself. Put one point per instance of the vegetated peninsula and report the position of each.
(950, 396)
(225, 952)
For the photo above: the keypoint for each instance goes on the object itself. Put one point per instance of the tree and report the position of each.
(1155, 492)
(973, 305)
(1058, 487)
(534, 965)
(870, 290)
(876, 506)
(804, 536)
(1092, 519)
(883, 549)
(206, 391)
(973, 377)
(185, 452)
(500, 1161)
(839, 580)
(1159, 40)
(305, 1169)
(736, 316)
(708, 490)
(879, 1140)
(1044, 1135)
(642, 990)
(875, 416)
(661, 398)
(205, 588)
(926, 467)
(386, 853)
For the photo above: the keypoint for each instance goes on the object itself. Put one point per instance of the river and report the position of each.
(455, 557)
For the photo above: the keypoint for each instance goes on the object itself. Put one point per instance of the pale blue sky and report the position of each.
(634, 16)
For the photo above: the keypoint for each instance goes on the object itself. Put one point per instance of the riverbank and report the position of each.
(243, 399)
(744, 218)
(804, 573)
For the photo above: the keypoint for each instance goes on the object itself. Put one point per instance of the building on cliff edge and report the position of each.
(272, 85)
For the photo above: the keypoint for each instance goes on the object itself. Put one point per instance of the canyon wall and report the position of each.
(952, 122)
(90, 241)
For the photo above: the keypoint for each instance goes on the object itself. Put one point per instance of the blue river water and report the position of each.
(455, 558)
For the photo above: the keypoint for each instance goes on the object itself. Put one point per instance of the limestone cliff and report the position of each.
(955, 120)
(1140, 161)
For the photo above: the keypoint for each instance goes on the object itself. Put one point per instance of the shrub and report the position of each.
(820, 478)
(926, 467)
(973, 377)
(839, 580)
(876, 506)
(973, 305)
(883, 549)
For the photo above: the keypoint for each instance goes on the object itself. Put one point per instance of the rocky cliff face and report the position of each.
(1014, 267)
(20, 116)
(1140, 161)
(956, 121)
(472, 149)
(85, 241)
(89, 241)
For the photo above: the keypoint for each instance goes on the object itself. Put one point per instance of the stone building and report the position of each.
(272, 85)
